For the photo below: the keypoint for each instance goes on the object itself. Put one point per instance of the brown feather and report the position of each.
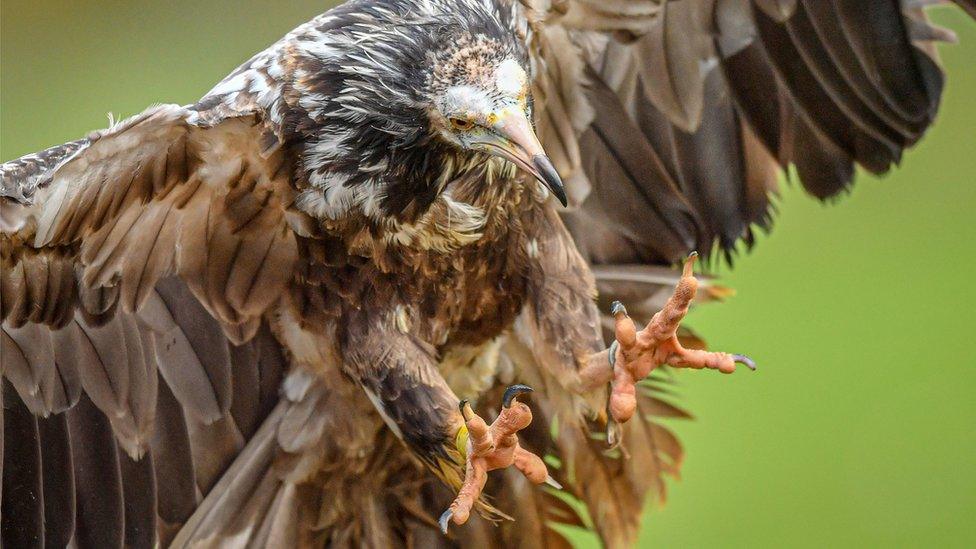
(780, 10)
(669, 59)
(229, 496)
(173, 460)
(59, 488)
(98, 481)
(816, 58)
(139, 498)
(968, 5)
(104, 364)
(22, 512)
(877, 35)
(40, 386)
(196, 369)
(151, 254)
(190, 366)
(825, 20)
(710, 170)
(641, 182)
(815, 105)
(14, 300)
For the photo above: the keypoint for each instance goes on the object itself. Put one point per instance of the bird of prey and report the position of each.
(309, 308)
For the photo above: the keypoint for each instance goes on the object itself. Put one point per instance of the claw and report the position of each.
(614, 429)
(512, 392)
(552, 482)
(689, 269)
(613, 353)
(466, 412)
(445, 520)
(617, 308)
(743, 359)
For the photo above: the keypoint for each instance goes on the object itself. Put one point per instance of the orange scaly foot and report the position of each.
(494, 447)
(634, 355)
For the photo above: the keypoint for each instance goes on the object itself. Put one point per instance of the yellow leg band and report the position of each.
(461, 441)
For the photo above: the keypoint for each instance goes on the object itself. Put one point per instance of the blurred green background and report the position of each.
(860, 427)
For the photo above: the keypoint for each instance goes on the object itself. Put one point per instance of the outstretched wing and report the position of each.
(137, 267)
(153, 195)
(670, 122)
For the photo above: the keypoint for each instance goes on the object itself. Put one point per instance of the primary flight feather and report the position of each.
(267, 318)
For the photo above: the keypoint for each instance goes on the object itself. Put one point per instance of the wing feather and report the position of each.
(669, 58)
(780, 10)
(193, 358)
(968, 5)
(173, 460)
(139, 497)
(671, 123)
(813, 83)
(22, 511)
(877, 34)
(98, 480)
(120, 308)
(57, 464)
(646, 200)
(815, 104)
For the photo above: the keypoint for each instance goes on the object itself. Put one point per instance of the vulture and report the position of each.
(370, 290)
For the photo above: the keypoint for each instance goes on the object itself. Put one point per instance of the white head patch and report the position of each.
(466, 99)
(510, 78)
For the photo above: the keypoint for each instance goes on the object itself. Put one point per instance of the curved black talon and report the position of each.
(445, 520)
(466, 411)
(746, 361)
(512, 392)
(617, 307)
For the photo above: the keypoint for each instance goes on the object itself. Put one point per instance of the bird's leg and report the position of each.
(491, 447)
(634, 355)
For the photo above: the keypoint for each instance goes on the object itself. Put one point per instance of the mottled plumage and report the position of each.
(249, 321)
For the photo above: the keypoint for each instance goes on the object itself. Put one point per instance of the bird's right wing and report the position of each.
(154, 195)
(137, 268)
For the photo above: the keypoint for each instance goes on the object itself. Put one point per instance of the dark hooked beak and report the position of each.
(516, 141)
(546, 173)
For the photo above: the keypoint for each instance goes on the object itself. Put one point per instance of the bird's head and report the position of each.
(481, 100)
(400, 98)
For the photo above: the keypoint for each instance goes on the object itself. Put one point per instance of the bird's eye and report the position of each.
(462, 124)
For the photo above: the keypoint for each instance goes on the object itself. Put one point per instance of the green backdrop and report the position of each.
(860, 427)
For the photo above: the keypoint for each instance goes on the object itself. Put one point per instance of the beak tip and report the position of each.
(561, 196)
(550, 177)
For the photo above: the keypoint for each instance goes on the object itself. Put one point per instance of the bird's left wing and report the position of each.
(669, 122)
